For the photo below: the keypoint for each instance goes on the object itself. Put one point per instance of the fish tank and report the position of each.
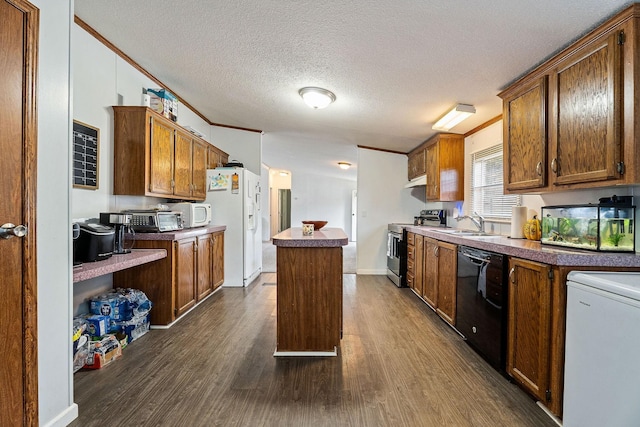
(605, 227)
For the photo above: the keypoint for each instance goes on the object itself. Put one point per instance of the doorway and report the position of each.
(284, 209)
(18, 139)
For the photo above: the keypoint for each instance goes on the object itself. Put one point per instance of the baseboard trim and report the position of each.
(306, 353)
(64, 418)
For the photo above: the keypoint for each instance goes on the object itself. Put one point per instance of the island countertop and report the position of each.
(324, 238)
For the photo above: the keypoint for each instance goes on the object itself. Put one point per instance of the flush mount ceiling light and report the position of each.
(316, 97)
(284, 173)
(453, 117)
(344, 165)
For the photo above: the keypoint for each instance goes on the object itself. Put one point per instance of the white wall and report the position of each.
(382, 199)
(321, 198)
(241, 145)
(55, 378)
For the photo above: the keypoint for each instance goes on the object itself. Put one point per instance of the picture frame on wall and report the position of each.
(86, 156)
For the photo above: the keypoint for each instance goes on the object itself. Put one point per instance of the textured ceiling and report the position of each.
(395, 65)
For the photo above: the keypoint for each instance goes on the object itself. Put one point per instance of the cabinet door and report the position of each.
(204, 270)
(525, 137)
(217, 254)
(213, 158)
(529, 325)
(430, 278)
(418, 263)
(447, 255)
(161, 146)
(433, 172)
(416, 164)
(183, 165)
(185, 270)
(586, 135)
(199, 172)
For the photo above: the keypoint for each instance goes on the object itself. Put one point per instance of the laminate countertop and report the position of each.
(178, 235)
(532, 250)
(324, 238)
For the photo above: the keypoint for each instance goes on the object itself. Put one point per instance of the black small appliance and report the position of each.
(121, 223)
(95, 242)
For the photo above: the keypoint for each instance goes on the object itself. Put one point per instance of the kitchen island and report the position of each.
(309, 296)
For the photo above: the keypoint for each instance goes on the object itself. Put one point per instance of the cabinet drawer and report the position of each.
(411, 239)
(409, 279)
(411, 266)
(411, 253)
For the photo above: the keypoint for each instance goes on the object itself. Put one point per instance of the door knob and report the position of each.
(9, 230)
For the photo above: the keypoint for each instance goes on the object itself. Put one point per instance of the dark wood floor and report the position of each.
(399, 365)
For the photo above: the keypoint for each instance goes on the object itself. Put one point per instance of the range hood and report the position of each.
(416, 182)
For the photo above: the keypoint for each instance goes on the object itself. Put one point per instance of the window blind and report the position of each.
(487, 196)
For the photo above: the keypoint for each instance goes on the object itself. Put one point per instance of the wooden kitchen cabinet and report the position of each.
(444, 154)
(441, 159)
(193, 269)
(447, 257)
(186, 274)
(216, 157)
(416, 163)
(154, 156)
(525, 136)
(204, 266)
(217, 260)
(571, 122)
(529, 326)
(411, 260)
(439, 263)
(585, 124)
(430, 279)
(418, 276)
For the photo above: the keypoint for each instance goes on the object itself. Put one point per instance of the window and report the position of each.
(487, 198)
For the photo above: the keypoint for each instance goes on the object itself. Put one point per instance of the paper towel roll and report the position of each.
(518, 220)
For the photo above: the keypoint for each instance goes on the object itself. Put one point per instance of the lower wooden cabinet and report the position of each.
(447, 258)
(217, 260)
(186, 274)
(436, 264)
(529, 326)
(193, 269)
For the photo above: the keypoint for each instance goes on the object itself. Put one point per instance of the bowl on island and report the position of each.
(317, 225)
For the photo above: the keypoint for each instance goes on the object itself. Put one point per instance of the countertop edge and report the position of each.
(325, 238)
(534, 250)
(90, 270)
(178, 235)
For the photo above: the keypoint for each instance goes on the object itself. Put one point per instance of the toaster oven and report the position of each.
(152, 221)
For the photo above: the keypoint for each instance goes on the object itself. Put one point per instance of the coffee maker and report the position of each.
(121, 222)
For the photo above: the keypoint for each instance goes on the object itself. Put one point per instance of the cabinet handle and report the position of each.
(436, 251)
(554, 165)
(512, 277)
(539, 168)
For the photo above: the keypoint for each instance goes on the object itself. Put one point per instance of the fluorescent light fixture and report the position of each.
(344, 165)
(453, 117)
(284, 173)
(316, 97)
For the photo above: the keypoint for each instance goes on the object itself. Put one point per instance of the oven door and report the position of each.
(394, 252)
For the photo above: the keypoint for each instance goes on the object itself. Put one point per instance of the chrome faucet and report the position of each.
(478, 222)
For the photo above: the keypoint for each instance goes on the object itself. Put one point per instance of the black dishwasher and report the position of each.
(481, 303)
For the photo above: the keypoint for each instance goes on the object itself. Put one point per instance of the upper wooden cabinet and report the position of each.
(525, 136)
(444, 155)
(216, 157)
(416, 163)
(572, 121)
(585, 137)
(154, 156)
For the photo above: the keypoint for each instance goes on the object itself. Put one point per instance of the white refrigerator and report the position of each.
(234, 194)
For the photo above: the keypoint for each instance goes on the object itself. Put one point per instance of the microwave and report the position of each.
(193, 214)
